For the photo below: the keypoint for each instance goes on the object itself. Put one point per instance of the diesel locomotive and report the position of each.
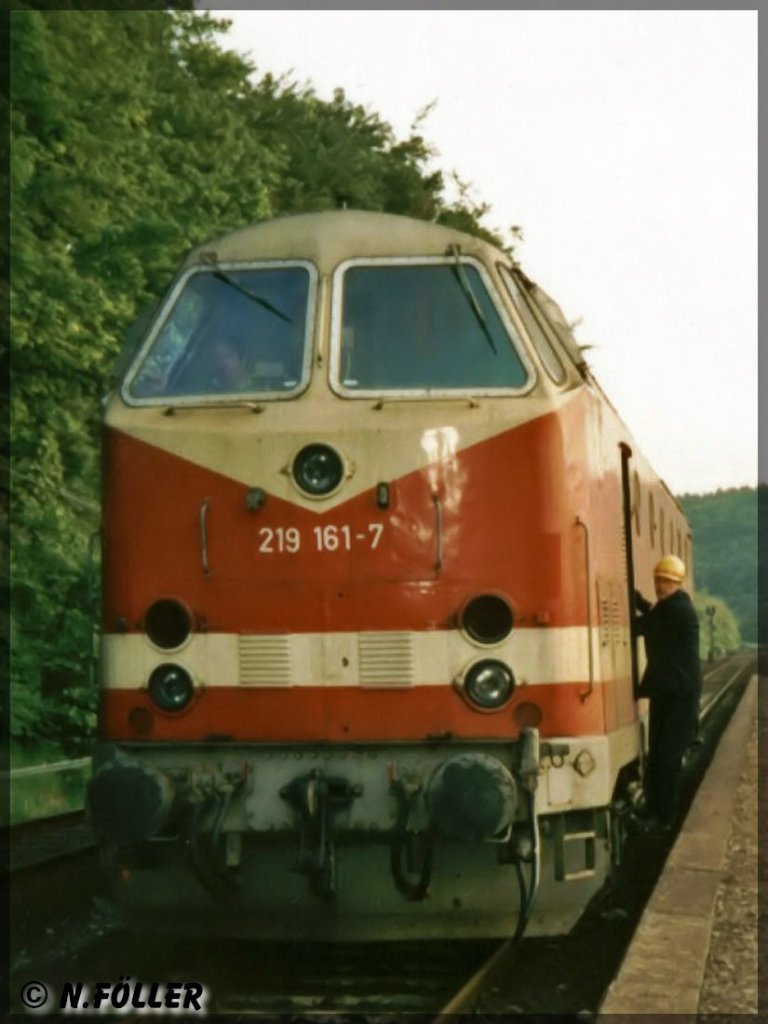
(371, 536)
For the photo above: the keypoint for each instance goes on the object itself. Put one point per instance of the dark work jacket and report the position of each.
(671, 631)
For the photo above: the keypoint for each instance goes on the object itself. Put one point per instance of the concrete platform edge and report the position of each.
(663, 969)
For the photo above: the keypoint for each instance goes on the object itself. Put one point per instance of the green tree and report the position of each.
(134, 137)
(718, 628)
(724, 526)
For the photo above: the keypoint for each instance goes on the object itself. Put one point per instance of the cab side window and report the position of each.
(536, 328)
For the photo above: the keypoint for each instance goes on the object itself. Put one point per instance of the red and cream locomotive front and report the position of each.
(346, 596)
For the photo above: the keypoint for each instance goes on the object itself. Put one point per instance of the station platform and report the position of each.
(694, 952)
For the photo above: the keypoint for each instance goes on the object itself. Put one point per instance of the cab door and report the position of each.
(626, 489)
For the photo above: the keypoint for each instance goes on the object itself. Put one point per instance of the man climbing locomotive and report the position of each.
(672, 683)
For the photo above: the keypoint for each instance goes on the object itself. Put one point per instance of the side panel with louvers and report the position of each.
(386, 659)
(265, 661)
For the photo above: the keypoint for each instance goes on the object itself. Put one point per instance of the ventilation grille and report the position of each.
(265, 661)
(386, 659)
(610, 616)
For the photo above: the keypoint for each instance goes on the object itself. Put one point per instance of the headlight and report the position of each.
(318, 469)
(168, 623)
(170, 687)
(487, 618)
(489, 684)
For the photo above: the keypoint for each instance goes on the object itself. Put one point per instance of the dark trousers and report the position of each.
(673, 727)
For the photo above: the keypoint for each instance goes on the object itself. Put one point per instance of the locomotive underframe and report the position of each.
(328, 843)
(471, 894)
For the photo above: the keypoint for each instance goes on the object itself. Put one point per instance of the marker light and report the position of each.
(141, 721)
(170, 687)
(318, 469)
(487, 618)
(383, 497)
(528, 715)
(489, 684)
(168, 623)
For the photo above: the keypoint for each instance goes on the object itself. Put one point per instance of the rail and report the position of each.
(464, 1000)
(583, 694)
(735, 674)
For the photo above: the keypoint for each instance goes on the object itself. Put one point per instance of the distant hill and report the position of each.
(724, 528)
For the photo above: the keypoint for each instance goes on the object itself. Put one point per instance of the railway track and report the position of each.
(721, 678)
(433, 980)
(367, 981)
(35, 844)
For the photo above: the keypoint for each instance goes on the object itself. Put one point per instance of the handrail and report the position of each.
(439, 524)
(45, 769)
(204, 506)
(586, 693)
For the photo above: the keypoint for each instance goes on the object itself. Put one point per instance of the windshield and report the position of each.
(229, 331)
(426, 326)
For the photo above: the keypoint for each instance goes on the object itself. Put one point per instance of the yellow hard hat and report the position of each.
(670, 567)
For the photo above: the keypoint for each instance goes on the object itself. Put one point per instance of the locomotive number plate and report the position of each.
(289, 540)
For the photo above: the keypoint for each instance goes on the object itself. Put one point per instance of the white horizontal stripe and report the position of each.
(383, 660)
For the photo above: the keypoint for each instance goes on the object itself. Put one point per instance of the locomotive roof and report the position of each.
(335, 235)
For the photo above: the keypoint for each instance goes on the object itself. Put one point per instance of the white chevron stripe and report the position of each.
(377, 441)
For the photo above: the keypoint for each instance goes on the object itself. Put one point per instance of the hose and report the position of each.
(528, 897)
(411, 890)
(401, 836)
(204, 863)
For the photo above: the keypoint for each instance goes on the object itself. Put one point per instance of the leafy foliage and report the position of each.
(724, 529)
(718, 632)
(134, 137)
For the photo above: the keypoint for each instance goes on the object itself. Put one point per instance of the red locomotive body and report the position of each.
(367, 656)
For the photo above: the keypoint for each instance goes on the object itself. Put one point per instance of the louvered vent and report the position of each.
(610, 615)
(605, 619)
(615, 618)
(265, 661)
(386, 659)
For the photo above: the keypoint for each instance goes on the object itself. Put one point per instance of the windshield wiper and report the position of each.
(466, 287)
(221, 276)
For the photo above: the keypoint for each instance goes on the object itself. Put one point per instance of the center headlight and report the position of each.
(171, 687)
(318, 469)
(489, 684)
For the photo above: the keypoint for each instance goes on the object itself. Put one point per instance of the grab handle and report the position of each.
(204, 506)
(439, 531)
(586, 693)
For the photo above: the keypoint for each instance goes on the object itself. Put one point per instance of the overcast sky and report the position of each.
(625, 145)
